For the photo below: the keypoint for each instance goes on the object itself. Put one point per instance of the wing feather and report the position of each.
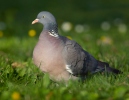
(77, 60)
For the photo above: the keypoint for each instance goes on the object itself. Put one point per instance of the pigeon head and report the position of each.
(48, 20)
(44, 18)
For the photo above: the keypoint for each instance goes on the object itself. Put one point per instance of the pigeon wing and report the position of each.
(78, 61)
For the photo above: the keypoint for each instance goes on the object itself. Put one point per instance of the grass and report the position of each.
(20, 79)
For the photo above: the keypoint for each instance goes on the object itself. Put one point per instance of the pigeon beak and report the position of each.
(35, 21)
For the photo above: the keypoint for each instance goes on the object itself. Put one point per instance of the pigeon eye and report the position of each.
(43, 16)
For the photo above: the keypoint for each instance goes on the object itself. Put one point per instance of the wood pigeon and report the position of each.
(63, 59)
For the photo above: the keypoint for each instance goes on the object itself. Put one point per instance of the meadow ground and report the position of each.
(20, 79)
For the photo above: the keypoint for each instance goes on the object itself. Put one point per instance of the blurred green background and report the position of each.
(16, 16)
(99, 26)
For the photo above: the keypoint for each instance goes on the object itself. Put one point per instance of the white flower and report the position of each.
(105, 26)
(66, 26)
(122, 28)
(79, 28)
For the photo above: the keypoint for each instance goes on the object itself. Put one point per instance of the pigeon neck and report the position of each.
(51, 27)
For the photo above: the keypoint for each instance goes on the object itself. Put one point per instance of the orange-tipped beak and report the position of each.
(35, 21)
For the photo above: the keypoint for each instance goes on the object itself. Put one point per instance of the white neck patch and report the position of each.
(52, 33)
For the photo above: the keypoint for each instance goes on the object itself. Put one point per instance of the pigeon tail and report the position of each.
(104, 67)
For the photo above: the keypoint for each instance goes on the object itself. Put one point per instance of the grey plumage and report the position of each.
(61, 58)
